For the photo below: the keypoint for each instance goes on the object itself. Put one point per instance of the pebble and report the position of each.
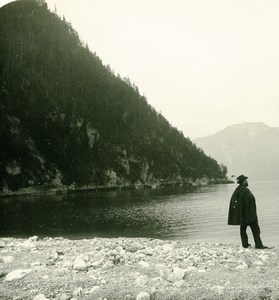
(242, 266)
(63, 297)
(219, 289)
(78, 292)
(53, 254)
(263, 257)
(109, 264)
(178, 274)
(167, 248)
(179, 283)
(144, 264)
(79, 264)
(33, 238)
(7, 259)
(133, 248)
(170, 262)
(67, 264)
(36, 264)
(143, 296)
(40, 297)
(142, 280)
(93, 279)
(17, 274)
(28, 244)
(94, 289)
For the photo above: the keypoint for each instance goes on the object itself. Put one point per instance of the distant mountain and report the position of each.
(68, 121)
(247, 148)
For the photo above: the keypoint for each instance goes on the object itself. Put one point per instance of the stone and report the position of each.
(67, 264)
(242, 266)
(263, 257)
(94, 289)
(78, 292)
(93, 279)
(143, 296)
(17, 274)
(79, 264)
(144, 264)
(97, 264)
(178, 274)
(167, 248)
(190, 269)
(7, 259)
(109, 264)
(28, 244)
(36, 264)
(40, 297)
(218, 288)
(53, 254)
(133, 248)
(64, 297)
(142, 280)
(179, 283)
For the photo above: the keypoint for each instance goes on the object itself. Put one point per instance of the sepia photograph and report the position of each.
(139, 150)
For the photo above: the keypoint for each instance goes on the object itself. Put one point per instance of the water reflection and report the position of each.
(199, 214)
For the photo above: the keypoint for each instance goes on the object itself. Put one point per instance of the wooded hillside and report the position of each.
(67, 120)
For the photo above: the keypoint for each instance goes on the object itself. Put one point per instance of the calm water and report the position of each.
(196, 215)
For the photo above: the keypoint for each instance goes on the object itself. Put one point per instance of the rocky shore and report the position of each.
(134, 268)
(61, 189)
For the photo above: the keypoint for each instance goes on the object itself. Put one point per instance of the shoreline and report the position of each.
(134, 268)
(63, 190)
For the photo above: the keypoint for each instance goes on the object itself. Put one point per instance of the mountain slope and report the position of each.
(68, 120)
(247, 148)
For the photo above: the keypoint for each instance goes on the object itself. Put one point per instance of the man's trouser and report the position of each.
(256, 234)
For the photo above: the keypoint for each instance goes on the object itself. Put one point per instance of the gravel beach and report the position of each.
(134, 268)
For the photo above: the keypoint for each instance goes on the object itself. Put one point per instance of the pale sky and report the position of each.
(204, 64)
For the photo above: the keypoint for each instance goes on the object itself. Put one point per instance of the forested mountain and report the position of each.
(249, 148)
(67, 120)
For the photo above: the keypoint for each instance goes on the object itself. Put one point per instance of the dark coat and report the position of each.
(242, 207)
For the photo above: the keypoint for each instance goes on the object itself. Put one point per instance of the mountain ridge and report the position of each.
(247, 147)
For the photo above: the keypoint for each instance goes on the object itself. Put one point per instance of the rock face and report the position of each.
(247, 148)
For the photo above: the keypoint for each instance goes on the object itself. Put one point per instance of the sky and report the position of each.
(203, 64)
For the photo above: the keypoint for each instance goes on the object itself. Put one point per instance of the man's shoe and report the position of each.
(262, 247)
(249, 245)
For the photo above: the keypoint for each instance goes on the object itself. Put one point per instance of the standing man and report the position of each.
(243, 212)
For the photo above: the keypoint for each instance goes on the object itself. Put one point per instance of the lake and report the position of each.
(197, 215)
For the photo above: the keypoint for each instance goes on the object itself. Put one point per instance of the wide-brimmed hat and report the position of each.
(241, 178)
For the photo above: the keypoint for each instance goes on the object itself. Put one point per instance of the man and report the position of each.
(243, 212)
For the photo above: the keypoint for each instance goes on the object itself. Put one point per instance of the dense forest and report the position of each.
(68, 121)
